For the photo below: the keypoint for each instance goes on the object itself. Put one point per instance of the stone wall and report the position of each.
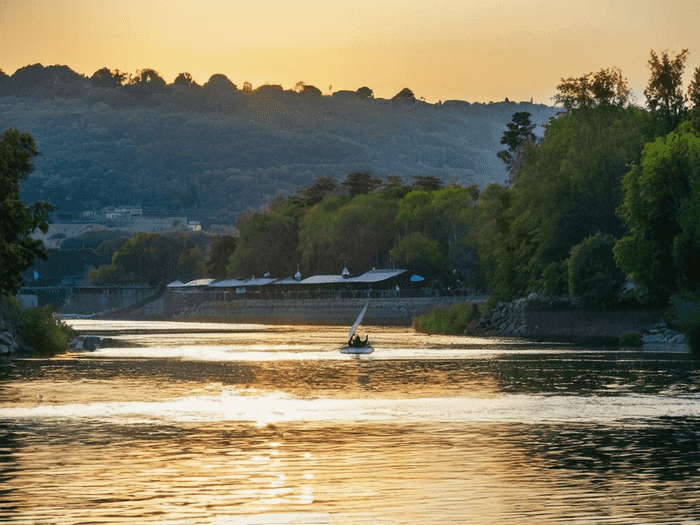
(382, 312)
(538, 317)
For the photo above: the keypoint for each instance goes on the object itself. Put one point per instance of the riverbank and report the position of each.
(338, 311)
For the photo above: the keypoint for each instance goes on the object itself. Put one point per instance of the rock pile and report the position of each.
(660, 333)
(85, 343)
(508, 319)
(8, 347)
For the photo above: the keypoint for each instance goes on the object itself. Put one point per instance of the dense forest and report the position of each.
(217, 149)
(607, 199)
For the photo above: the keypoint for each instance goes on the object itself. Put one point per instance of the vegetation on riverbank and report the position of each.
(449, 320)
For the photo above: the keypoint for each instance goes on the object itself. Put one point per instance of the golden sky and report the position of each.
(478, 50)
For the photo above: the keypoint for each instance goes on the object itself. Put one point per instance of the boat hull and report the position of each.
(357, 350)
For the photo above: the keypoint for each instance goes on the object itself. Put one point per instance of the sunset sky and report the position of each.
(475, 50)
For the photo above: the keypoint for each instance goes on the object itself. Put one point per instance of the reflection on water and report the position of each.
(246, 424)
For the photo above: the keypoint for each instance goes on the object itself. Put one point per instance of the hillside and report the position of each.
(214, 150)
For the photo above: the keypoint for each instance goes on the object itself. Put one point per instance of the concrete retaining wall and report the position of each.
(88, 301)
(382, 312)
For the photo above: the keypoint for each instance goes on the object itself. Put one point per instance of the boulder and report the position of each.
(91, 342)
(5, 354)
(6, 338)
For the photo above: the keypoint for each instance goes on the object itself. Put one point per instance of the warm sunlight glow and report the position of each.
(441, 49)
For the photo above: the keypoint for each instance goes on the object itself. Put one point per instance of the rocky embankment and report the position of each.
(661, 333)
(511, 319)
(9, 344)
(537, 316)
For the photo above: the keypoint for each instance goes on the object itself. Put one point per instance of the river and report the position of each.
(181, 423)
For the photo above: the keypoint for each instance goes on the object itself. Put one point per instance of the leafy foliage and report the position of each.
(593, 274)
(518, 131)
(17, 221)
(604, 88)
(43, 332)
(452, 320)
(660, 210)
(152, 259)
(664, 91)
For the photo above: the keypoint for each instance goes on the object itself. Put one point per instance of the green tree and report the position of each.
(152, 259)
(222, 247)
(109, 79)
(427, 182)
(404, 94)
(184, 79)
(664, 91)
(315, 193)
(268, 242)
(365, 92)
(518, 131)
(593, 274)
(419, 253)
(661, 197)
(17, 222)
(604, 88)
(694, 89)
(148, 77)
(360, 184)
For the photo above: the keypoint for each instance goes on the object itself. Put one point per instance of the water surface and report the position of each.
(250, 424)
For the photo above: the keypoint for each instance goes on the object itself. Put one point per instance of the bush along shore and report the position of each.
(33, 332)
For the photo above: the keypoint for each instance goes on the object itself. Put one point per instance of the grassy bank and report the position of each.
(450, 320)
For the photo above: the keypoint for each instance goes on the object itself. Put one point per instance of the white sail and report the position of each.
(359, 320)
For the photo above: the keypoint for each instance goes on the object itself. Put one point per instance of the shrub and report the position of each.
(555, 278)
(43, 332)
(631, 339)
(451, 320)
(593, 274)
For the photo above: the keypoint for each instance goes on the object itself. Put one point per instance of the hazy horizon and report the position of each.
(441, 50)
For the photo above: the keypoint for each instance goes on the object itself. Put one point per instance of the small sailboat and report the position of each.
(363, 348)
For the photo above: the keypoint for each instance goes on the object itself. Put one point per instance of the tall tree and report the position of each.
(184, 79)
(607, 87)
(694, 89)
(518, 132)
(660, 210)
(664, 91)
(106, 78)
(17, 221)
(148, 77)
(360, 183)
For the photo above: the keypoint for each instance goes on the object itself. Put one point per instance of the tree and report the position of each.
(220, 82)
(518, 131)
(315, 193)
(427, 182)
(109, 79)
(661, 198)
(311, 90)
(593, 274)
(247, 87)
(222, 247)
(419, 253)
(404, 94)
(694, 89)
(605, 88)
(184, 79)
(365, 92)
(17, 221)
(664, 91)
(148, 77)
(360, 184)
